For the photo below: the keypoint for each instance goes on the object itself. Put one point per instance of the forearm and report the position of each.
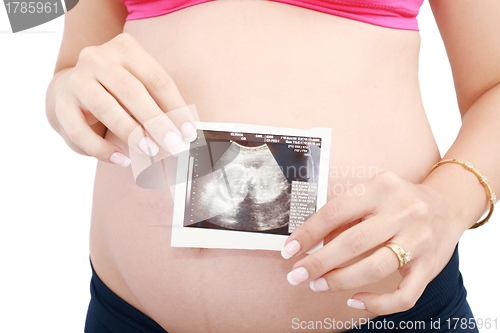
(477, 143)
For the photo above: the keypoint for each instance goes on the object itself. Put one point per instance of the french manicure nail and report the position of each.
(173, 142)
(356, 304)
(148, 146)
(290, 249)
(120, 159)
(188, 131)
(298, 275)
(319, 285)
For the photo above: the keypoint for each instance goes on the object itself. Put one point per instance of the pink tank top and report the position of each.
(398, 14)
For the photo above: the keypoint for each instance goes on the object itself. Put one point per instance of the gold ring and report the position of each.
(403, 257)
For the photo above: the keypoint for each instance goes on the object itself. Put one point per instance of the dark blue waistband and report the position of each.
(109, 313)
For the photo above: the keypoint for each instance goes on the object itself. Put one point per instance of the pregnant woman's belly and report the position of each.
(264, 63)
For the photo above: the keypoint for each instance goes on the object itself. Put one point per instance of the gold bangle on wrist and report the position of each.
(482, 179)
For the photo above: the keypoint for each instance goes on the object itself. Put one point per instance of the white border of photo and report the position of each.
(232, 239)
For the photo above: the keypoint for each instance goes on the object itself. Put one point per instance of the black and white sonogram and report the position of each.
(251, 182)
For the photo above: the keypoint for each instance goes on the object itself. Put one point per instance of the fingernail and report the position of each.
(290, 249)
(354, 303)
(120, 159)
(298, 275)
(319, 285)
(148, 146)
(173, 142)
(188, 131)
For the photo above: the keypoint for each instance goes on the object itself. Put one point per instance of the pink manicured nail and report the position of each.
(298, 275)
(148, 146)
(319, 285)
(290, 249)
(188, 131)
(173, 142)
(120, 159)
(354, 303)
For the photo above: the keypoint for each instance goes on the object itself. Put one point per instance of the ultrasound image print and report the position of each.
(246, 191)
(244, 186)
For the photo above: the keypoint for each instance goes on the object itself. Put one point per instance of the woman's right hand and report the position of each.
(118, 87)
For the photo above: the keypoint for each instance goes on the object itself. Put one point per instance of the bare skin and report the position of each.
(265, 63)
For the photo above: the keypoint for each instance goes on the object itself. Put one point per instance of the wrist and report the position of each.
(460, 192)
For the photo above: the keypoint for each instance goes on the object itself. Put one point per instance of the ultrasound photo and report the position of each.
(249, 186)
(250, 183)
(247, 192)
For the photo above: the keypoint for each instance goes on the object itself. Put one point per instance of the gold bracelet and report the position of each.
(482, 179)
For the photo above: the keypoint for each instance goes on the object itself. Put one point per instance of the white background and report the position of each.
(47, 190)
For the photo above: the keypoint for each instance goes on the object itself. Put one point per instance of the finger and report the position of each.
(157, 82)
(146, 69)
(110, 113)
(162, 88)
(404, 298)
(347, 246)
(81, 134)
(128, 90)
(133, 95)
(345, 208)
(369, 270)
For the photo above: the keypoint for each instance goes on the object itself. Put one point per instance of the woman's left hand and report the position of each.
(390, 210)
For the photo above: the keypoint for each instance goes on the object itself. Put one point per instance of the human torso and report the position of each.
(263, 63)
